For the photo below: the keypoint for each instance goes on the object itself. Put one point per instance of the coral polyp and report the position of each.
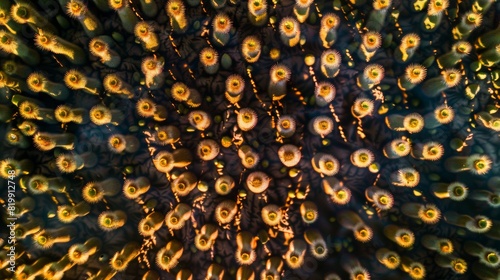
(224, 139)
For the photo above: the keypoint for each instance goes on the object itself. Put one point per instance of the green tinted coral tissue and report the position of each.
(259, 139)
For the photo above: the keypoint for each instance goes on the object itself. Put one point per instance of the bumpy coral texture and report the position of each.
(152, 120)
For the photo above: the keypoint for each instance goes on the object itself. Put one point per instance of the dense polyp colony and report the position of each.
(251, 140)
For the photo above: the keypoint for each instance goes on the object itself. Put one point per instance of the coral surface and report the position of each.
(227, 139)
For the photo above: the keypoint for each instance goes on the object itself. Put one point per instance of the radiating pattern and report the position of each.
(225, 139)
